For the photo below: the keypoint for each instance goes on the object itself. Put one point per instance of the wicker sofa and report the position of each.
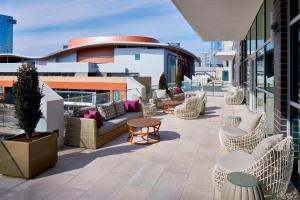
(82, 132)
(159, 96)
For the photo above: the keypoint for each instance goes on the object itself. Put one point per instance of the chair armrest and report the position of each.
(84, 130)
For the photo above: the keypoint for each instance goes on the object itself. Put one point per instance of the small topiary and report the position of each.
(27, 97)
(163, 85)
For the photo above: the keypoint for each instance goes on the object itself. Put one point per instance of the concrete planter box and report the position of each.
(25, 160)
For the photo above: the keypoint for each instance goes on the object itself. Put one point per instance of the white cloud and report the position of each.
(36, 33)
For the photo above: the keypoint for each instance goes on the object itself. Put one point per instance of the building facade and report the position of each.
(267, 57)
(6, 34)
(215, 47)
(106, 56)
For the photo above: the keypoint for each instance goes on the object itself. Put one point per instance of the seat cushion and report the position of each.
(236, 161)
(79, 112)
(232, 131)
(249, 121)
(119, 106)
(161, 94)
(107, 110)
(265, 145)
(116, 122)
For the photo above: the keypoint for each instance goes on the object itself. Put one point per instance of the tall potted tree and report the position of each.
(163, 85)
(28, 154)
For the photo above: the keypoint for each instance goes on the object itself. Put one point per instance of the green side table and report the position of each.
(241, 186)
(232, 120)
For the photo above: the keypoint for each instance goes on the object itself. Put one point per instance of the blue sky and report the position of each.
(45, 26)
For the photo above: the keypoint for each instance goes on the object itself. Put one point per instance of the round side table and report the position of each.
(242, 186)
(232, 120)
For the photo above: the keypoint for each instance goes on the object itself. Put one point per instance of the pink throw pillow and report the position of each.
(94, 115)
(178, 90)
(132, 106)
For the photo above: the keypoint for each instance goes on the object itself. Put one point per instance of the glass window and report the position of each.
(253, 36)
(137, 56)
(260, 27)
(248, 44)
(270, 114)
(260, 101)
(260, 69)
(269, 16)
(295, 62)
(248, 72)
(270, 82)
(295, 8)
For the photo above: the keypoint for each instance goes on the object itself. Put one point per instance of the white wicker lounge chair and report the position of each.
(273, 170)
(192, 107)
(234, 138)
(235, 97)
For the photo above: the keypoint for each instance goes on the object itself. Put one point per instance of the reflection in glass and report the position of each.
(253, 36)
(269, 13)
(260, 70)
(260, 27)
(248, 44)
(295, 132)
(260, 101)
(270, 82)
(270, 113)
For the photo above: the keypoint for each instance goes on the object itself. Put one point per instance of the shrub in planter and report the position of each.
(30, 153)
(163, 85)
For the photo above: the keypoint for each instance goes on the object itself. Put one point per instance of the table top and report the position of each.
(242, 179)
(143, 122)
(172, 102)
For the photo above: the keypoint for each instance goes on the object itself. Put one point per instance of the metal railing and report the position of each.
(213, 88)
(83, 100)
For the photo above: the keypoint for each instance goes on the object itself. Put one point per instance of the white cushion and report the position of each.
(161, 94)
(232, 131)
(265, 145)
(236, 161)
(249, 121)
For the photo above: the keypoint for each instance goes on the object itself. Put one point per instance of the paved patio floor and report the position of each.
(178, 167)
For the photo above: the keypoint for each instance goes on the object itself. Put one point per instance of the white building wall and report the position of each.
(151, 62)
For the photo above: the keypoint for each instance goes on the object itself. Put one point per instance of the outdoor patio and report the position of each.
(178, 167)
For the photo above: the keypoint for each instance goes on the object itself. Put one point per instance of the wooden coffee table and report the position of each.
(169, 106)
(136, 127)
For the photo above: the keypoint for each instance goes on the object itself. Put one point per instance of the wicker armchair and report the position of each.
(235, 97)
(191, 108)
(149, 109)
(241, 140)
(159, 101)
(272, 170)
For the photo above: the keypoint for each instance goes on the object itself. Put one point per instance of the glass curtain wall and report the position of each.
(294, 85)
(258, 61)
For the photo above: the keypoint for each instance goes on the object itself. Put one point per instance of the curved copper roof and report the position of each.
(75, 42)
(96, 43)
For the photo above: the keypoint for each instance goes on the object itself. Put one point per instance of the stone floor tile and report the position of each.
(169, 186)
(195, 192)
(106, 187)
(148, 175)
(131, 192)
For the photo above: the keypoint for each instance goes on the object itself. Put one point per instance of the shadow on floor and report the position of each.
(209, 108)
(78, 160)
